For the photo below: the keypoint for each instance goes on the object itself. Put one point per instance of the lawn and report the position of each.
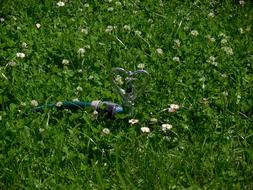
(192, 127)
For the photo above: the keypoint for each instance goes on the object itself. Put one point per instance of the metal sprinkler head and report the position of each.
(130, 85)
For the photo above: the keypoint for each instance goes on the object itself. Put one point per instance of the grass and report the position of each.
(211, 143)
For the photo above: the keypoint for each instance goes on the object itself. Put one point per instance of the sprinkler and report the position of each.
(128, 84)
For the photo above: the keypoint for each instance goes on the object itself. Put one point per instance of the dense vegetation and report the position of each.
(199, 55)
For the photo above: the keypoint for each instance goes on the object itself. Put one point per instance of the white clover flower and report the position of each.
(137, 32)
(23, 104)
(212, 58)
(91, 77)
(109, 29)
(241, 2)
(177, 43)
(34, 103)
(81, 51)
(118, 80)
(65, 62)
(75, 100)
(211, 15)
(38, 25)
(238, 98)
(12, 63)
(241, 30)
(228, 50)
(20, 55)
(145, 129)
(224, 41)
(118, 3)
(84, 30)
(153, 120)
(159, 51)
(41, 130)
(194, 33)
(127, 27)
(133, 121)
(222, 35)
(150, 20)
(1, 19)
(176, 59)
(224, 75)
(24, 45)
(166, 127)
(225, 93)
(86, 5)
(95, 114)
(173, 107)
(210, 38)
(79, 88)
(141, 66)
(60, 4)
(106, 131)
(59, 104)
(110, 9)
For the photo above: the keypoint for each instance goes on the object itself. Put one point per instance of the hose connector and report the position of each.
(109, 107)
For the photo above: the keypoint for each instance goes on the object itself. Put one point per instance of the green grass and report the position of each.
(211, 143)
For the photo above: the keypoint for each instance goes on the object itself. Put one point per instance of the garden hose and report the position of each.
(108, 107)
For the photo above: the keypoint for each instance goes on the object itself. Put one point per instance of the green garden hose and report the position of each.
(109, 107)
